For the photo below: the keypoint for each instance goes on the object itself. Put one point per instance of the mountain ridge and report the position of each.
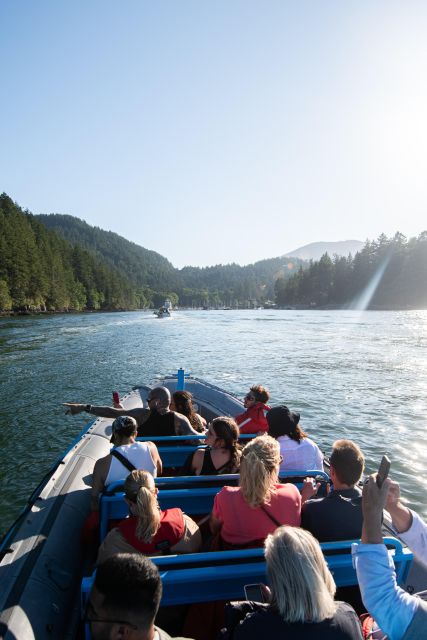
(315, 250)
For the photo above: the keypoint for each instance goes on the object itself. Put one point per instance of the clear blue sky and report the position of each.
(218, 131)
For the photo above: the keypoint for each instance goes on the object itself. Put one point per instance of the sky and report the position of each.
(218, 131)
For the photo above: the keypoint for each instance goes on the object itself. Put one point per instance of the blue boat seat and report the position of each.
(221, 575)
(193, 494)
(173, 453)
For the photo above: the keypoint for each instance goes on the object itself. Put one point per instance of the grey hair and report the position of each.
(302, 586)
(163, 395)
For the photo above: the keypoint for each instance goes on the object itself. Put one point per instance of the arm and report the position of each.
(104, 411)
(408, 525)
(392, 608)
(319, 459)
(215, 521)
(156, 458)
(100, 472)
(183, 426)
(191, 541)
(197, 461)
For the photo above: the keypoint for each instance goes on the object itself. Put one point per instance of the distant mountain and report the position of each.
(315, 250)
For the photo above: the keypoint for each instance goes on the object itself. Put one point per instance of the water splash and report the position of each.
(363, 300)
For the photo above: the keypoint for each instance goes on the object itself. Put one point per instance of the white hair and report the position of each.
(302, 586)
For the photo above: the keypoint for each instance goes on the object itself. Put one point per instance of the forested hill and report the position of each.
(220, 285)
(60, 263)
(143, 268)
(39, 271)
(388, 273)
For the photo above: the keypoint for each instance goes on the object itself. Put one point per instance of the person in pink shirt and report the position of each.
(246, 514)
(253, 420)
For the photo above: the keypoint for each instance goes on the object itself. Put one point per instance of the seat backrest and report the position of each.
(193, 501)
(221, 575)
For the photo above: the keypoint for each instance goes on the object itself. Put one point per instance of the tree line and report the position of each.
(391, 271)
(60, 263)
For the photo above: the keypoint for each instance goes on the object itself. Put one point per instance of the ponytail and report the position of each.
(140, 490)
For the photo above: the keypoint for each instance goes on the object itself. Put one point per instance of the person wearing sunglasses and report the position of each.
(156, 420)
(254, 420)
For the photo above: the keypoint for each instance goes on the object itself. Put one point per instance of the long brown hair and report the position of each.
(227, 430)
(183, 401)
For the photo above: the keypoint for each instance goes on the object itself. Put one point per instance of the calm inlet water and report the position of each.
(350, 374)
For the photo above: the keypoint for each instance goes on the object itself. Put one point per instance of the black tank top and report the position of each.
(208, 468)
(158, 425)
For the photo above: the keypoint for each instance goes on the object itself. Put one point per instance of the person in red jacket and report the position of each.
(253, 420)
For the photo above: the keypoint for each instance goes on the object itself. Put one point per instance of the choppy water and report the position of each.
(350, 374)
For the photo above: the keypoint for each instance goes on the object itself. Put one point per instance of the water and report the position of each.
(350, 374)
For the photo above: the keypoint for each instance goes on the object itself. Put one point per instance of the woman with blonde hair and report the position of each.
(246, 514)
(148, 529)
(302, 601)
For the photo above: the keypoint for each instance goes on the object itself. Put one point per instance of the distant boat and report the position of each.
(165, 310)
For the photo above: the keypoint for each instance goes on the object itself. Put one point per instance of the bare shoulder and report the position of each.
(102, 465)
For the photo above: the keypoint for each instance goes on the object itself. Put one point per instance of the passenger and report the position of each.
(222, 455)
(150, 530)
(407, 524)
(302, 594)
(401, 616)
(245, 515)
(125, 599)
(253, 419)
(298, 451)
(127, 453)
(157, 420)
(182, 402)
(337, 516)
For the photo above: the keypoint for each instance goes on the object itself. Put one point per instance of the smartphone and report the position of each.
(254, 592)
(116, 398)
(383, 471)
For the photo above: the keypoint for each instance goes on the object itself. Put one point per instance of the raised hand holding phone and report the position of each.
(383, 471)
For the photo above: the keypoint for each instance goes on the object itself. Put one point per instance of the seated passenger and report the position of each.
(302, 594)
(150, 530)
(245, 515)
(127, 453)
(182, 402)
(157, 420)
(401, 616)
(125, 599)
(253, 419)
(222, 455)
(338, 516)
(297, 450)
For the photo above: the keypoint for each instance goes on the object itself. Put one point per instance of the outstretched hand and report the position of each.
(73, 408)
